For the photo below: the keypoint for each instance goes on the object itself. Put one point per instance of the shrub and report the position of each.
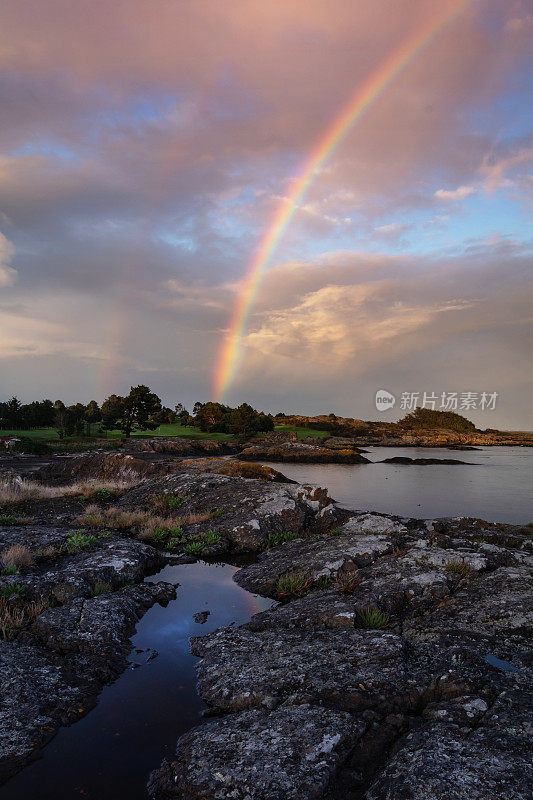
(211, 537)
(169, 538)
(14, 590)
(372, 618)
(194, 549)
(175, 501)
(101, 588)
(17, 557)
(347, 581)
(279, 537)
(459, 568)
(79, 540)
(104, 494)
(8, 519)
(13, 617)
(293, 584)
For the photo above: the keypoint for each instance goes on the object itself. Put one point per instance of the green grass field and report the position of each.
(174, 429)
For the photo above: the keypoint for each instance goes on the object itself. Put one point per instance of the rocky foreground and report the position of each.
(393, 666)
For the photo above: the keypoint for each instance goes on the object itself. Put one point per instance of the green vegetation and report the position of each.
(459, 568)
(168, 538)
(79, 540)
(293, 584)
(104, 495)
(347, 581)
(372, 618)
(8, 519)
(427, 418)
(218, 512)
(279, 537)
(211, 537)
(195, 549)
(335, 531)
(9, 571)
(14, 590)
(101, 588)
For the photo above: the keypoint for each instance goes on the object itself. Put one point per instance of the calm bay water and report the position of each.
(497, 486)
(109, 753)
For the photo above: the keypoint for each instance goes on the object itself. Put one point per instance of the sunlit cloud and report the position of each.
(449, 195)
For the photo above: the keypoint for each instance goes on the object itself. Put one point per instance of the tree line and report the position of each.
(140, 410)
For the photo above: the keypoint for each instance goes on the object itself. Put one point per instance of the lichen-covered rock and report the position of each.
(98, 625)
(251, 509)
(86, 466)
(347, 669)
(290, 753)
(53, 672)
(115, 560)
(445, 762)
(317, 557)
(303, 453)
(497, 607)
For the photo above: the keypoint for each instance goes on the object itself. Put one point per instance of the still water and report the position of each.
(109, 753)
(498, 486)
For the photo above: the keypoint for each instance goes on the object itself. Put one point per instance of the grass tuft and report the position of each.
(79, 540)
(195, 549)
(347, 581)
(279, 537)
(16, 557)
(372, 618)
(293, 584)
(461, 568)
(101, 588)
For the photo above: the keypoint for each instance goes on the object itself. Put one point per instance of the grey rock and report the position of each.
(290, 753)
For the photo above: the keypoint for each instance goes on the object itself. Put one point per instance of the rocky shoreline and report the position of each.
(394, 663)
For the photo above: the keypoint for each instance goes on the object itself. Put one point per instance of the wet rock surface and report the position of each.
(395, 663)
(76, 613)
(423, 461)
(438, 691)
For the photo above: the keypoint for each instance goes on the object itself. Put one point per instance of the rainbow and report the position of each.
(333, 135)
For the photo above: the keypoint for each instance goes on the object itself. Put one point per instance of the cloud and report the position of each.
(495, 170)
(448, 195)
(8, 275)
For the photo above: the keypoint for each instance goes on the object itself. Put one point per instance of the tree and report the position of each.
(429, 418)
(12, 413)
(196, 408)
(134, 412)
(64, 419)
(164, 417)
(92, 415)
(245, 421)
(210, 417)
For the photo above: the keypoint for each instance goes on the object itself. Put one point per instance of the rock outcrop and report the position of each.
(429, 698)
(65, 631)
(314, 451)
(248, 511)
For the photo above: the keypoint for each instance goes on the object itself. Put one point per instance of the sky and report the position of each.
(146, 146)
